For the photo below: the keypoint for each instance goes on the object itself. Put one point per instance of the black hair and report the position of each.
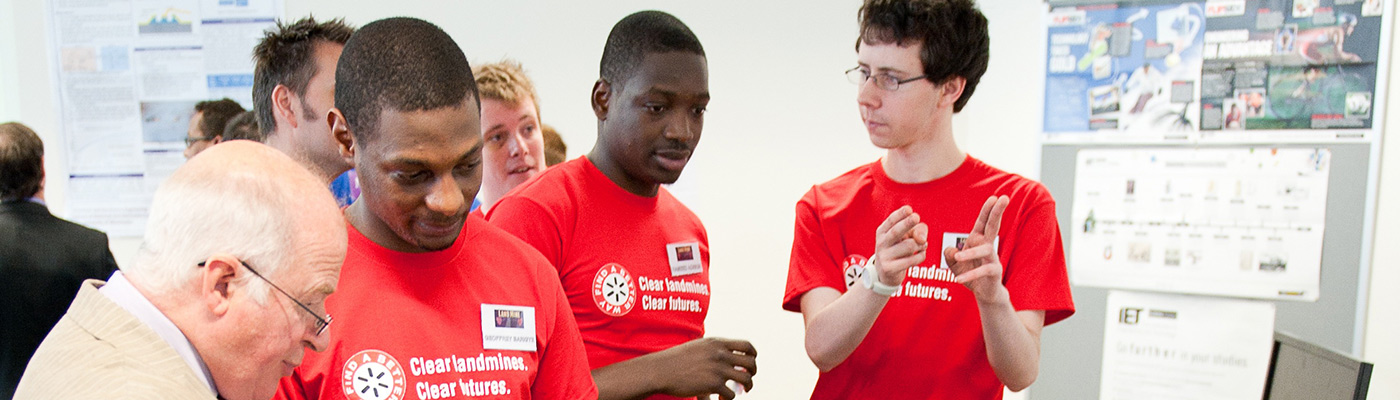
(21, 162)
(403, 64)
(285, 56)
(217, 113)
(642, 33)
(953, 33)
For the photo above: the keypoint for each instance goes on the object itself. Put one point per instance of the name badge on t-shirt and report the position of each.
(507, 327)
(684, 258)
(956, 240)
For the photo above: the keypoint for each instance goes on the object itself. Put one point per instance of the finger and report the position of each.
(899, 230)
(739, 345)
(722, 391)
(994, 220)
(894, 217)
(920, 233)
(948, 259)
(976, 273)
(975, 252)
(743, 362)
(740, 377)
(983, 215)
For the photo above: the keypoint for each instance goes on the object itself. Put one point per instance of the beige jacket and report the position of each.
(100, 351)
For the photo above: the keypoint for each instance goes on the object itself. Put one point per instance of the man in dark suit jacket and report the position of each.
(43, 259)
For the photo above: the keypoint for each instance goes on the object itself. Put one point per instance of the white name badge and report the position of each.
(507, 327)
(684, 258)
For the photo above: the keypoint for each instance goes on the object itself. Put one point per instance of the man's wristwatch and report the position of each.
(870, 278)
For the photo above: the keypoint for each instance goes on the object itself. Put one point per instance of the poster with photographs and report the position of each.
(1124, 69)
(1241, 71)
(1290, 65)
(1243, 222)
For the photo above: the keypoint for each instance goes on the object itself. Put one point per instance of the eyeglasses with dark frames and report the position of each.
(321, 323)
(190, 141)
(884, 81)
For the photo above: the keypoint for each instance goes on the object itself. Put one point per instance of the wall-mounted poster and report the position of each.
(130, 73)
(1244, 222)
(1129, 69)
(1289, 65)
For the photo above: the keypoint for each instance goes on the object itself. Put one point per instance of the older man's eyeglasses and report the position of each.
(321, 322)
(888, 82)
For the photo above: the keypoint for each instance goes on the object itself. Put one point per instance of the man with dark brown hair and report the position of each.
(880, 309)
(43, 259)
(207, 124)
(294, 90)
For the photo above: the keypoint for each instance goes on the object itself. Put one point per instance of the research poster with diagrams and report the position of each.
(1220, 70)
(129, 73)
(1241, 222)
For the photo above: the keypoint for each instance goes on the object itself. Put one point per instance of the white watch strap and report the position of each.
(871, 277)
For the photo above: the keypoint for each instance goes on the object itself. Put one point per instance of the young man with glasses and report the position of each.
(207, 124)
(880, 312)
(190, 318)
(435, 303)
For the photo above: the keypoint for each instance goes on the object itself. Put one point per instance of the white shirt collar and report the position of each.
(120, 291)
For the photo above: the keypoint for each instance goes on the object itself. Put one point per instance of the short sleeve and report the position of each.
(1035, 271)
(563, 367)
(812, 264)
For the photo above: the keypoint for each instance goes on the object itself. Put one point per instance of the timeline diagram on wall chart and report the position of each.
(1244, 222)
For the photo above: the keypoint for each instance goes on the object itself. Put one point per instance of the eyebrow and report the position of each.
(883, 69)
(671, 93)
(499, 126)
(413, 162)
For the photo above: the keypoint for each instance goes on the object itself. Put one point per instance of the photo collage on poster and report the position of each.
(1177, 70)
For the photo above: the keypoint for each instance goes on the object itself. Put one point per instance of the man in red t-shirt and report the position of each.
(883, 319)
(634, 260)
(432, 303)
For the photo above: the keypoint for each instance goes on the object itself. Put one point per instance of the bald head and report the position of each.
(239, 198)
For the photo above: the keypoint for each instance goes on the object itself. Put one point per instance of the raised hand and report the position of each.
(976, 265)
(900, 242)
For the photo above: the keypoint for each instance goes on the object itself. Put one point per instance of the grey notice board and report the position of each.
(1072, 350)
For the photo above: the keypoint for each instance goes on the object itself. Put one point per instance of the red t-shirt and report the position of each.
(927, 342)
(613, 251)
(410, 326)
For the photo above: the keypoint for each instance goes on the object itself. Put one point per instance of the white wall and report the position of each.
(783, 118)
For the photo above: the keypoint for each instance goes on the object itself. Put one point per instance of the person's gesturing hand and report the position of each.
(900, 242)
(976, 265)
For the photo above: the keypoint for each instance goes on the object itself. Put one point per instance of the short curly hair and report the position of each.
(402, 64)
(953, 34)
(642, 33)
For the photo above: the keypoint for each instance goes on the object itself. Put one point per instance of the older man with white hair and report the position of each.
(195, 315)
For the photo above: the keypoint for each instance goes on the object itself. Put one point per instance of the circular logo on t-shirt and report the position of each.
(372, 375)
(613, 290)
(853, 266)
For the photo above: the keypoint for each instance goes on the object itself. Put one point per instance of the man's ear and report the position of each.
(282, 99)
(215, 276)
(340, 131)
(602, 93)
(216, 139)
(952, 90)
